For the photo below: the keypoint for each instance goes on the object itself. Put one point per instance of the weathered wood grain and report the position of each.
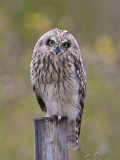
(50, 140)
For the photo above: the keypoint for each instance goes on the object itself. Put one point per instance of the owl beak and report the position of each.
(57, 50)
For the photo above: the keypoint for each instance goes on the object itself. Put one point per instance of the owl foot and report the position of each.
(58, 118)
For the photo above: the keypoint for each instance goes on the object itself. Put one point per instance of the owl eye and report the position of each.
(50, 42)
(66, 44)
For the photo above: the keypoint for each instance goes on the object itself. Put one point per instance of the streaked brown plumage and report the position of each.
(58, 78)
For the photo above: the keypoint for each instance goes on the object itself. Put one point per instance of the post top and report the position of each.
(47, 118)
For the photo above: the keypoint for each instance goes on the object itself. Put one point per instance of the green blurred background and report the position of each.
(96, 26)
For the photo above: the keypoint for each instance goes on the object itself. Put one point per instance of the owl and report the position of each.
(58, 79)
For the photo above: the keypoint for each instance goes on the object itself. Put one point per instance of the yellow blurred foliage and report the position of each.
(104, 45)
(37, 21)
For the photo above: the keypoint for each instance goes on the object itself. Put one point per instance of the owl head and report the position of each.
(57, 42)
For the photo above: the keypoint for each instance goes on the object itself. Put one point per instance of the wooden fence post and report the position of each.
(50, 140)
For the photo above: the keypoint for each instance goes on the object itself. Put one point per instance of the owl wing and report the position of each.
(73, 128)
(40, 100)
(41, 103)
(81, 76)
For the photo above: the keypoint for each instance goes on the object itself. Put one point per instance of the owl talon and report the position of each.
(59, 119)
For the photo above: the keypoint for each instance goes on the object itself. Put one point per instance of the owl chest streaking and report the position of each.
(58, 78)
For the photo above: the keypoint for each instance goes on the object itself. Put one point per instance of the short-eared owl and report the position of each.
(58, 79)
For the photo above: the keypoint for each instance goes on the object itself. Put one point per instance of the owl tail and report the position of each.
(73, 130)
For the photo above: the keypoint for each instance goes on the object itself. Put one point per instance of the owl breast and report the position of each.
(58, 87)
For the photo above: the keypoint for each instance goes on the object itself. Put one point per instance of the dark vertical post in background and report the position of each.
(50, 139)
